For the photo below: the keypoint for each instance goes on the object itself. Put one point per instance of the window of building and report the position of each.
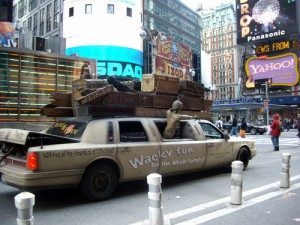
(71, 11)
(32, 4)
(35, 22)
(129, 12)
(22, 8)
(55, 14)
(29, 23)
(42, 21)
(49, 19)
(110, 8)
(88, 9)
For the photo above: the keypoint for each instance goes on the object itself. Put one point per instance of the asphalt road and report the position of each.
(197, 198)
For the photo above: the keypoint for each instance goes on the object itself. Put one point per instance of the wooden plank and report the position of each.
(96, 95)
(78, 86)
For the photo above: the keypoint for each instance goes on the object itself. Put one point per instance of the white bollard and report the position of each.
(24, 203)
(155, 209)
(236, 182)
(285, 170)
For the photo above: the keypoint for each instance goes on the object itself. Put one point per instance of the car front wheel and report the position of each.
(244, 157)
(253, 131)
(99, 182)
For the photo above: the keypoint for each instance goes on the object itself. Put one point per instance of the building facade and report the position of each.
(219, 40)
(177, 21)
(27, 79)
(42, 17)
(39, 25)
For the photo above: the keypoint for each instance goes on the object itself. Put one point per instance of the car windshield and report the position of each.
(68, 129)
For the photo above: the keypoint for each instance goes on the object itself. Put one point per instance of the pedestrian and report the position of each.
(219, 123)
(243, 128)
(234, 126)
(298, 128)
(275, 131)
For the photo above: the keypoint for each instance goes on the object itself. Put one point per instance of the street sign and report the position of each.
(266, 103)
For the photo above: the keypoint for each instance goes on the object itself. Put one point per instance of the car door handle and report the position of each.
(126, 149)
(210, 144)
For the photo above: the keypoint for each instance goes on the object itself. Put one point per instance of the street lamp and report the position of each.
(266, 103)
(191, 73)
(145, 32)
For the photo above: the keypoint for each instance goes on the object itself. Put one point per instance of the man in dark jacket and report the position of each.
(234, 128)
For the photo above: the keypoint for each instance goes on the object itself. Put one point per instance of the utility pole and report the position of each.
(267, 100)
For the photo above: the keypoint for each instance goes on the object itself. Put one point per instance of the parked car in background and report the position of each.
(251, 128)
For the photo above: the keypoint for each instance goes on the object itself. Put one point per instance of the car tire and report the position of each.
(99, 181)
(244, 157)
(253, 131)
(226, 131)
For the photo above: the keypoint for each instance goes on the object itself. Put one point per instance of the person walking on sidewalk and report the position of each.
(275, 131)
(234, 126)
(298, 128)
(243, 128)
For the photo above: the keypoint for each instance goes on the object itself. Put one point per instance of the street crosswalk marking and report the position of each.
(274, 191)
(282, 140)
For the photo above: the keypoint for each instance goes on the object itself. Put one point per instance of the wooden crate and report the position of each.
(120, 98)
(163, 101)
(50, 111)
(61, 99)
(195, 104)
(207, 104)
(191, 89)
(160, 84)
(146, 100)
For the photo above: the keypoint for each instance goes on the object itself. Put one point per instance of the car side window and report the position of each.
(110, 133)
(210, 131)
(132, 131)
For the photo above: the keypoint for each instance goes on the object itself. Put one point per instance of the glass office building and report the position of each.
(28, 78)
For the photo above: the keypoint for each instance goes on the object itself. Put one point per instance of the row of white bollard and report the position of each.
(237, 178)
(25, 201)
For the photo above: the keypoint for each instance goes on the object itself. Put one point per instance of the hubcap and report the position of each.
(101, 181)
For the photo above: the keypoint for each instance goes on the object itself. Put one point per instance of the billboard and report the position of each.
(7, 34)
(282, 70)
(173, 59)
(109, 32)
(265, 20)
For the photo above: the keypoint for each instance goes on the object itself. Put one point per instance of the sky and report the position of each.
(206, 4)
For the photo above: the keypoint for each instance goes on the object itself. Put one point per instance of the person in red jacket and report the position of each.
(275, 131)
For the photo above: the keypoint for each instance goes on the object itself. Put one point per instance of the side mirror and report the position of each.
(226, 136)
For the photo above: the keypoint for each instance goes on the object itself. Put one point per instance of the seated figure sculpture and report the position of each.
(173, 119)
